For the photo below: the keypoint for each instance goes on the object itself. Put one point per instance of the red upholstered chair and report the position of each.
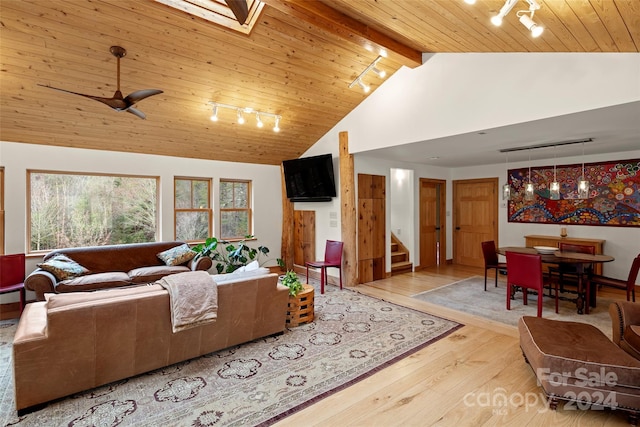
(491, 260)
(332, 258)
(12, 274)
(628, 285)
(525, 271)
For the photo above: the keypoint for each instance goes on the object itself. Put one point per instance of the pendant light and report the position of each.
(583, 184)
(554, 187)
(528, 188)
(506, 188)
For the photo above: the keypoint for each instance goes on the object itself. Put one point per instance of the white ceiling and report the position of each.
(613, 129)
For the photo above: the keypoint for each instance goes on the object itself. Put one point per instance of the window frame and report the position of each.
(209, 210)
(248, 209)
(30, 172)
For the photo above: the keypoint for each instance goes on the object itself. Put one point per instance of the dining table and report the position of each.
(576, 259)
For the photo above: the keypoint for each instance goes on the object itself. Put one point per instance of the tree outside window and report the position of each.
(235, 209)
(71, 210)
(193, 214)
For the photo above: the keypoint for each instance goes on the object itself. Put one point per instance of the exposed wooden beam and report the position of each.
(323, 16)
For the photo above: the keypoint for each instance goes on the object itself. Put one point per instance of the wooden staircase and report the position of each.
(399, 257)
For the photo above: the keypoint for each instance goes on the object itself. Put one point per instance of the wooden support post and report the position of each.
(286, 250)
(348, 212)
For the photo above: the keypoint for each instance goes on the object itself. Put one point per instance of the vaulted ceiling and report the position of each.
(297, 61)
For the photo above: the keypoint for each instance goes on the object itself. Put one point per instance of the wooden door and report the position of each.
(432, 220)
(475, 218)
(371, 228)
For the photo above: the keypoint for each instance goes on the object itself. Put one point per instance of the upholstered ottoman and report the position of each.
(577, 363)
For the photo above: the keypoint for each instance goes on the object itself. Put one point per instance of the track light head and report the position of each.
(240, 117)
(276, 126)
(214, 114)
(259, 121)
(535, 29)
(470, 1)
(506, 8)
(365, 88)
(381, 73)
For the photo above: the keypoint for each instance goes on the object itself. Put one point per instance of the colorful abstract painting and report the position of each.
(614, 194)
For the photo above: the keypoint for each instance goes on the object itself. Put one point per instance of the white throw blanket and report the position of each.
(193, 297)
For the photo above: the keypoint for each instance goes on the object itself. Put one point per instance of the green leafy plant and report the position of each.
(227, 256)
(291, 281)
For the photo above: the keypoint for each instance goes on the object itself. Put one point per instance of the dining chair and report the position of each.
(12, 274)
(525, 271)
(628, 285)
(570, 271)
(491, 261)
(332, 258)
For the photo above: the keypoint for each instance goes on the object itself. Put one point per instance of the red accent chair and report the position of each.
(628, 285)
(332, 258)
(12, 274)
(525, 271)
(491, 260)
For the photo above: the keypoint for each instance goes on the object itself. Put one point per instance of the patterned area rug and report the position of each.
(258, 383)
(469, 297)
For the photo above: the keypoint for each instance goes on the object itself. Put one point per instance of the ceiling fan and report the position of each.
(117, 102)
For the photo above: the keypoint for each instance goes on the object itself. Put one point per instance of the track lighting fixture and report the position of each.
(525, 16)
(470, 1)
(371, 67)
(240, 115)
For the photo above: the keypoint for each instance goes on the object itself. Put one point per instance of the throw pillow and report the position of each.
(63, 267)
(178, 255)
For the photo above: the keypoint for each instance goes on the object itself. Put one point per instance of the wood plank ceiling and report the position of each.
(297, 62)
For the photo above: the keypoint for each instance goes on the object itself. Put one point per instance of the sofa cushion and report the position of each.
(94, 281)
(178, 255)
(151, 274)
(632, 337)
(63, 267)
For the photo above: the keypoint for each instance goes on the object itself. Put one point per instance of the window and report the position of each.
(192, 209)
(69, 209)
(235, 209)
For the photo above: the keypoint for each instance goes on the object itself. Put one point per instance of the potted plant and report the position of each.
(291, 281)
(227, 256)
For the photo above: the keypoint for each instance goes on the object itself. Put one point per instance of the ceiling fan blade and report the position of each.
(139, 95)
(240, 9)
(114, 103)
(136, 112)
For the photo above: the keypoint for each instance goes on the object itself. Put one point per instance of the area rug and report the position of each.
(257, 383)
(469, 296)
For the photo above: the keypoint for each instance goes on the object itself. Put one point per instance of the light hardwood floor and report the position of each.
(453, 381)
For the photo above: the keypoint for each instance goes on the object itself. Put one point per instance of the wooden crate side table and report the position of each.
(300, 308)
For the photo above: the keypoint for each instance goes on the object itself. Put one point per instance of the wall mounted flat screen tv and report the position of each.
(310, 179)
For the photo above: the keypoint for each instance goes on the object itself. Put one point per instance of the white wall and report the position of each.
(17, 158)
(402, 202)
(453, 94)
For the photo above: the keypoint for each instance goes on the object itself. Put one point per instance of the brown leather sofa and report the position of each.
(77, 341)
(111, 266)
(577, 363)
